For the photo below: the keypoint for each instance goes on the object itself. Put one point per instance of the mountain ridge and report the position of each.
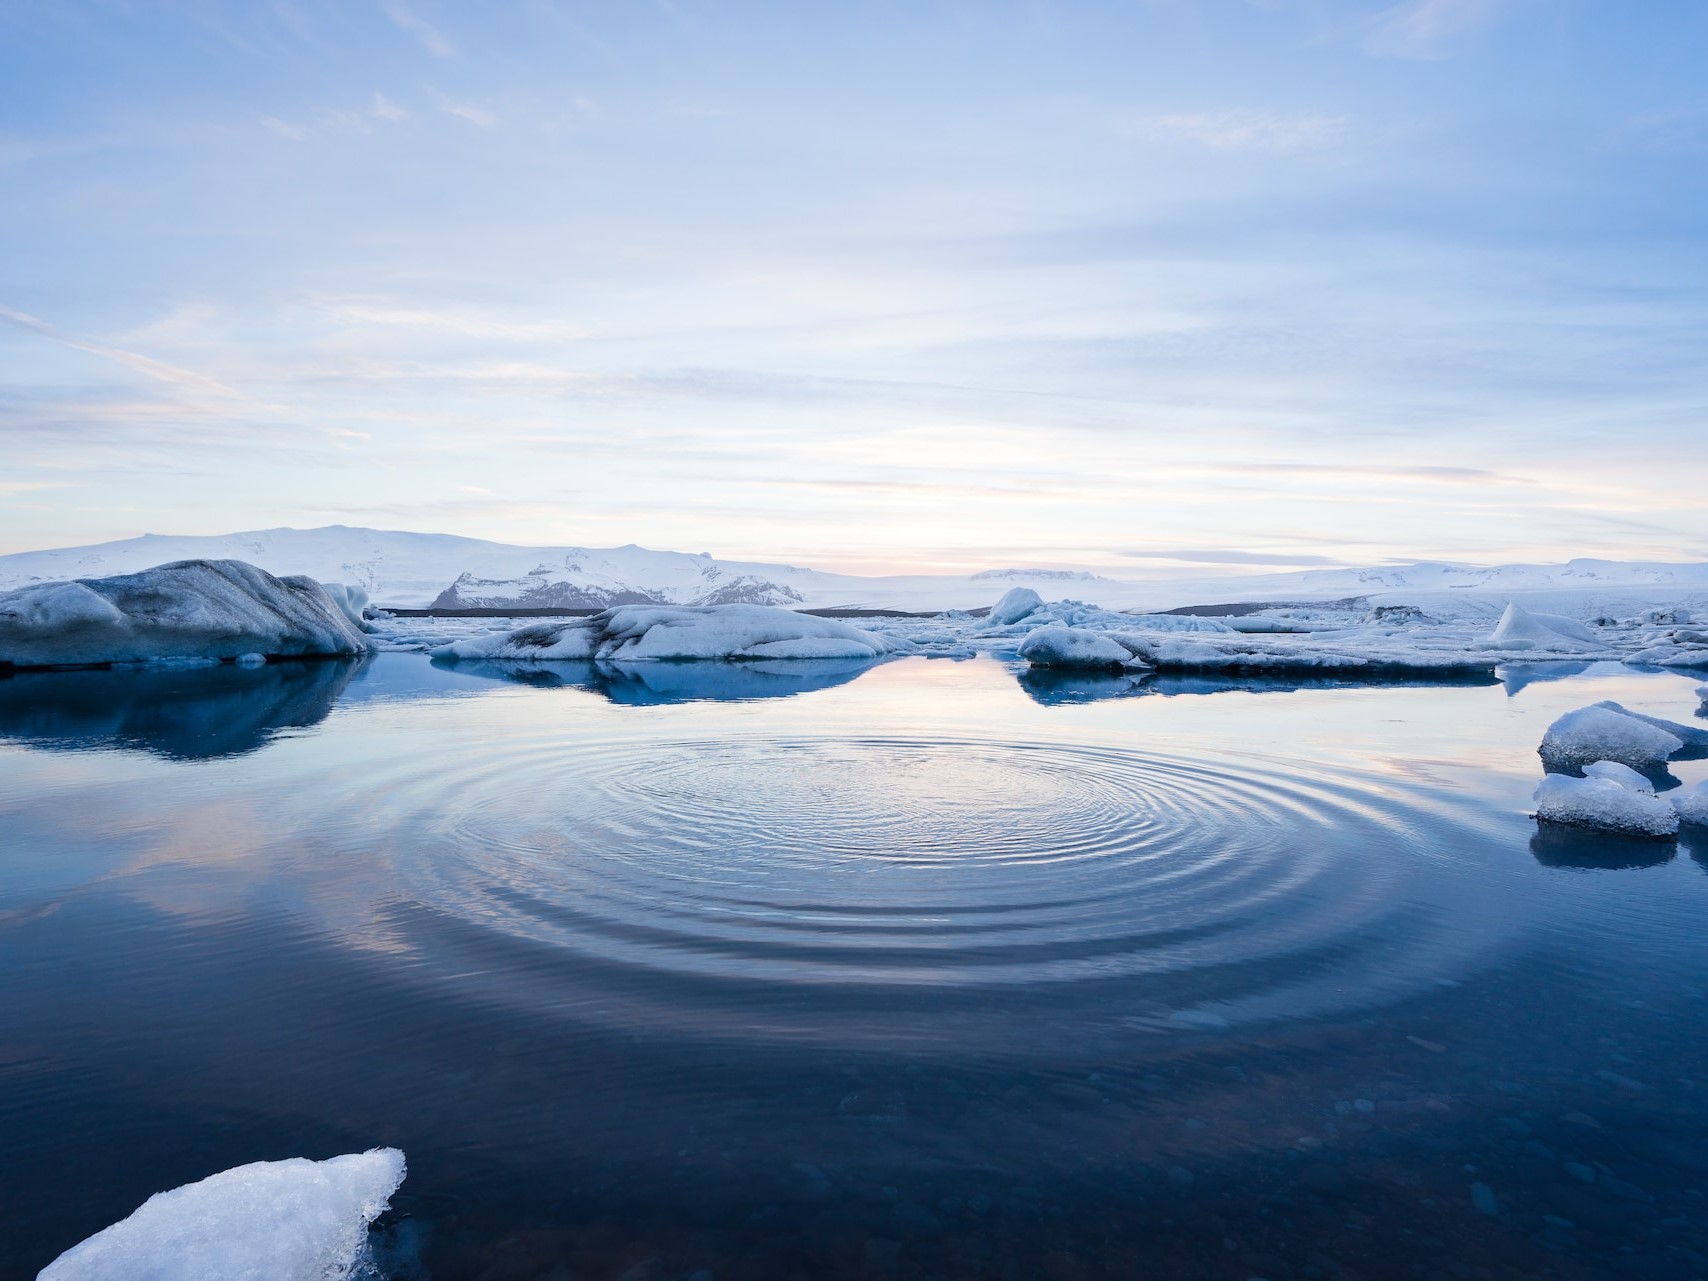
(410, 569)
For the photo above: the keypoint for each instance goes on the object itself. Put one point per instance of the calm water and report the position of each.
(930, 971)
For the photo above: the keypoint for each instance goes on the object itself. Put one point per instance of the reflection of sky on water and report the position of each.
(529, 933)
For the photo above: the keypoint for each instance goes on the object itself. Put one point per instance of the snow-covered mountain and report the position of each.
(411, 569)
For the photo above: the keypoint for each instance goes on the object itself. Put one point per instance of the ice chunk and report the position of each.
(1605, 804)
(1193, 623)
(294, 1220)
(1016, 603)
(1520, 629)
(675, 633)
(351, 602)
(1692, 804)
(1599, 733)
(191, 609)
(1058, 646)
(1623, 775)
(1695, 740)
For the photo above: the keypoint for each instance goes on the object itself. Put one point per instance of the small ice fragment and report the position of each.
(1692, 805)
(1623, 775)
(1604, 805)
(271, 1219)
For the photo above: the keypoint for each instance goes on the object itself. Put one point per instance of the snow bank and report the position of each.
(1607, 802)
(1015, 604)
(1519, 629)
(1059, 646)
(669, 633)
(1692, 805)
(1603, 733)
(205, 610)
(293, 1220)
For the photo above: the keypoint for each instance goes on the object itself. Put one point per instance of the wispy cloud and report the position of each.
(284, 128)
(1426, 29)
(467, 111)
(419, 27)
(185, 379)
(1279, 132)
(1227, 556)
(385, 109)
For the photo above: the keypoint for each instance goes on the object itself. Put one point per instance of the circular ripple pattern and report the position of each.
(897, 864)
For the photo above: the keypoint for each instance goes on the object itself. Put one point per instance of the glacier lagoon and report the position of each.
(927, 969)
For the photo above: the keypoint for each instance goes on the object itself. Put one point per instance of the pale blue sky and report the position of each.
(897, 286)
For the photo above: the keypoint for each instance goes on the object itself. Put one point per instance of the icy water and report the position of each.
(935, 970)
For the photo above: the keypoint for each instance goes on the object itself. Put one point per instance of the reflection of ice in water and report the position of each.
(190, 714)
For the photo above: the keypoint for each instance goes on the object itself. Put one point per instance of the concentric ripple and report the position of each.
(770, 864)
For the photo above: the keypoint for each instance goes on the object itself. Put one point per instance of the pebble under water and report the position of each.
(923, 971)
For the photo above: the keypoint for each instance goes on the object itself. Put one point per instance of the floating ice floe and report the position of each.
(1609, 798)
(1682, 649)
(1519, 629)
(295, 1220)
(1077, 647)
(1604, 732)
(676, 633)
(1692, 805)
(188, 611)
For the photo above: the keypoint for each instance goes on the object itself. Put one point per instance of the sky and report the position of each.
(1150, 287)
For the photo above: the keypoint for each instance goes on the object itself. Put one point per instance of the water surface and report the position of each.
(919, 971)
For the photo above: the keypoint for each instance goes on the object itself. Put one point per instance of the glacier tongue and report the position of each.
(295, 1220)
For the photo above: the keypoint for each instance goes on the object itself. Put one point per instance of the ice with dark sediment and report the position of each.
(294, 1220)
(667, 633)
(193, 611)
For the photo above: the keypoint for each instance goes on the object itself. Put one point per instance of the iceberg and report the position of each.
(1615, 800)
(677, 633)
(1519, 629)
(194, 610)
(1059, 646)
(269, 1221)
(1606, 733)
